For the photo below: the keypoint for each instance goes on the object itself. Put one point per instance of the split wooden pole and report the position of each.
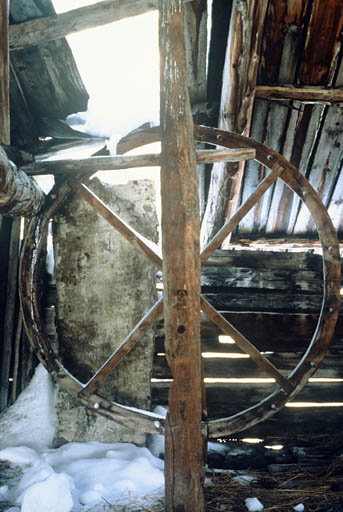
(184, 461)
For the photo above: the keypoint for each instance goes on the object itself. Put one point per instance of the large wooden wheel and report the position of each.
(285, 387)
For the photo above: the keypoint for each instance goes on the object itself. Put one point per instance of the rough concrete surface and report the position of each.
(104, 287)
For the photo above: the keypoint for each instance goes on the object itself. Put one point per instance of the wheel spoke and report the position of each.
(147, 247)
(124, 348)
(231, 224)
(245, 345)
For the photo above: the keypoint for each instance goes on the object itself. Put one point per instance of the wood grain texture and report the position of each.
(239, 82)
(19, 194)
(42, 30)
(184, 464)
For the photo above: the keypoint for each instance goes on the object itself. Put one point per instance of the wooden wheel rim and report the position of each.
(148, 422)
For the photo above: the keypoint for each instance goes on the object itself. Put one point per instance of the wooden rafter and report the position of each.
(30, 33)
(238, 91)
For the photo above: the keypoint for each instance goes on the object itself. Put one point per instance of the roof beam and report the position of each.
(307, 94)
(41, 30)
(4, 75)
(238, 91)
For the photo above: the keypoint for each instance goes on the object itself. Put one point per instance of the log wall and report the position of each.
(274, 299)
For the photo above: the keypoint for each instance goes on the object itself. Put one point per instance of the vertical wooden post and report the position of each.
(184, 465)
(4, 75)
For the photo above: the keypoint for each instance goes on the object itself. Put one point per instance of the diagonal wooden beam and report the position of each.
(244, 344)
(233, 222)
(30, 33)
(4, 75)
(148, 248)
(124, 348)
(238, 91)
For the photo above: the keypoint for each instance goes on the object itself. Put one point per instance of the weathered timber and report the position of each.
(297, 132)
(294, 332)
(244, 344)
(230, 398)
(19, 194)
(225, 367)
(33, 32)
(110, 163)
(196, 45)
(239, 82)
(184, 464)
(292, 422)
(239, 214)
(4, 75)
(10, 313)
(308, 94)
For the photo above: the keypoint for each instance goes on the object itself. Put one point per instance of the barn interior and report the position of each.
(270, 72)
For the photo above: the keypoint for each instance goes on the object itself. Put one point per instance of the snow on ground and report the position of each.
(79, 474)
(31, 419)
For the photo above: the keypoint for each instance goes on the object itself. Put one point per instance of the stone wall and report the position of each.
(104, 287)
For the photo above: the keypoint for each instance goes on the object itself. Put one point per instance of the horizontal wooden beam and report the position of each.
(41, 30)
(292, 422)
(225, 399)
(314, 94)
(110, 163)
(220, 367)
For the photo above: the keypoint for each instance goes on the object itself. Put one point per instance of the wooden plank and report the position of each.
(326, 165)
(260, 301)
(308, 94)
(4, 75)
(318, 62)
(307, 130)
(196, 49)
(50, 28)
(293, 422)
(110, 163)
(294, 332)
(227, 399)
(239, 214)
(239, 82)
(10, 313)
(285, 23)
(184, 464)
(19, 194)
(220, 367)
(263, 279)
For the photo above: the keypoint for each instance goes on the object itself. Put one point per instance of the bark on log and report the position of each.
(4, 75)
(239, 82)
(303, 94)
(184, 464)
(30, 33)
(19, 194)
